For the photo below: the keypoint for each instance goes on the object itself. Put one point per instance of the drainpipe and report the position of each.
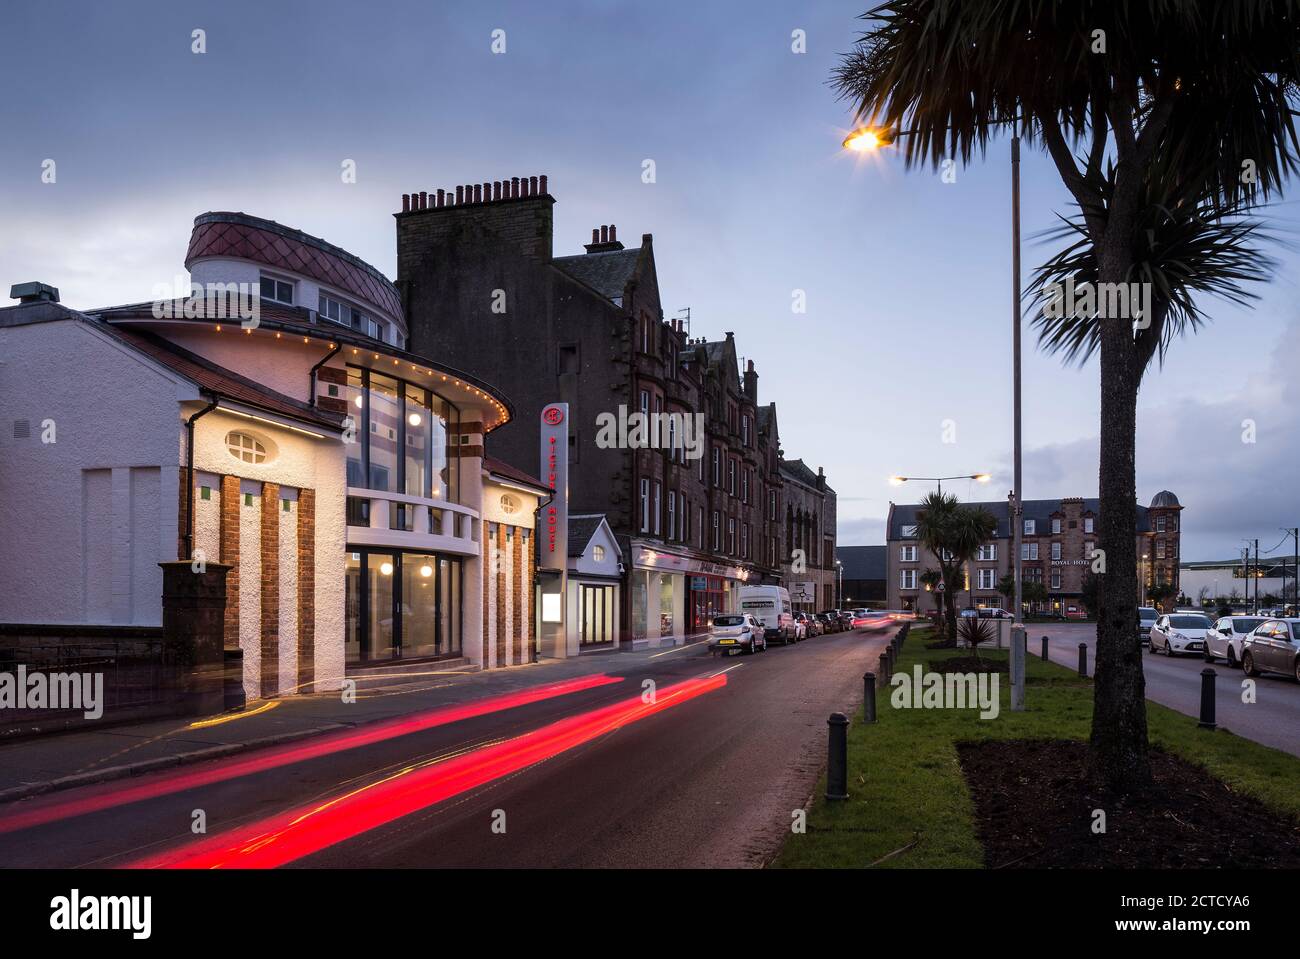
(189, 476)
(311, 392)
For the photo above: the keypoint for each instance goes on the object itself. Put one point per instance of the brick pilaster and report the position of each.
(230, 556)
(306, 590)
(485, 560)
(270, 541)
(516, 598)
(499, 584)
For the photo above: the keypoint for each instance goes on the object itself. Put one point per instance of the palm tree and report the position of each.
(953, 533)
(930, 579)
(1007, 589)
(1148, 110)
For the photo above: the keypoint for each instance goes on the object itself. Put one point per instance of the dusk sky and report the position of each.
(907, 278)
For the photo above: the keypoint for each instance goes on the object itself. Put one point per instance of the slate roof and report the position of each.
(798, 470)
(581, 529)
(1039, 510)
(862, 562)
(506, 471)
(607, 273)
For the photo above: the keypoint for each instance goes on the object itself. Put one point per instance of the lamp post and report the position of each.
(839, 589)
(868, 138)
(977, 477)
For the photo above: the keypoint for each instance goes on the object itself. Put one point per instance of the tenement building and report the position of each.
(697, 504)
(276, 429)
(1058, 538)
(808, 553)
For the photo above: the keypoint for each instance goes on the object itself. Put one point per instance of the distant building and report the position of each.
(808, 537)
(865, 569)
(1058, 539)
(1238, 581)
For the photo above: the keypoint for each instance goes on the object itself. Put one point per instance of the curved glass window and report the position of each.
(404, 437)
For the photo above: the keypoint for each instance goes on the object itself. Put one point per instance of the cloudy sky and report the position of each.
(906, 277)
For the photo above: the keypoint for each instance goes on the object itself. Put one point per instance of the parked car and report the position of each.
(1075, 612)
(811, 627)
(1147, 616)
(1226, 636)
(770, 605)
(846, 618)
(732, 633)
(1274, 646)
(830, 620)
(1179, 633)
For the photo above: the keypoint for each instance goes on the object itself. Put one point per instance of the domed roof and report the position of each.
(1165, 498)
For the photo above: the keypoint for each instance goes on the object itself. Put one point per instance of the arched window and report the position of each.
(245, 448)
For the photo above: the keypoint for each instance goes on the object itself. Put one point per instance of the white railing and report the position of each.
(415, 522)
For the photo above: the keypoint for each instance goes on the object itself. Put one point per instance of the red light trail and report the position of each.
(114, 794)
(300, 832)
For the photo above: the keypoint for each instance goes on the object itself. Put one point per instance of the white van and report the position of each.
(770, 605)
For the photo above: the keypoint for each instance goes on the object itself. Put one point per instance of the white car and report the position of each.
(1179, 633)
(1225, 638)
(733, 633)
(1273, 646)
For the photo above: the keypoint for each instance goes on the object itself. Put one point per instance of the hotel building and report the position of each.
(1057, 542)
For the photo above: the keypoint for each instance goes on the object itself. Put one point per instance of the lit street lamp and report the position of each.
(867, 138)
(977, 477)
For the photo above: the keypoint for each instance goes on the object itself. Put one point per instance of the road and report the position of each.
(1273, 719)
(705, 775)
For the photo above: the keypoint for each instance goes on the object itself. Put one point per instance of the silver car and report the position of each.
(1147, 616)
(1226, 636)
(1273, 646)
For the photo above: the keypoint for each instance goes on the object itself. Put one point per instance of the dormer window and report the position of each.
(276, 289)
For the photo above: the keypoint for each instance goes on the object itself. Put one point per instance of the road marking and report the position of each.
(678, 649)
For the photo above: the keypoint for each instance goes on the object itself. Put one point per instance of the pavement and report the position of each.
(560, 764)
(1273, 719)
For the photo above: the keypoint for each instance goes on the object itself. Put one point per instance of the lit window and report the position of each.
(509, 504)
(244, 448)
(598, 554)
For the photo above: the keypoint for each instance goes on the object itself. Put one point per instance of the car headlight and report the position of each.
(1178, 636)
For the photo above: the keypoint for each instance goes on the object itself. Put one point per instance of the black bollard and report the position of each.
(869, 697)
(1044, 649)
(837, 758)
(1083, 660)
(1207, 698)
(887, 663)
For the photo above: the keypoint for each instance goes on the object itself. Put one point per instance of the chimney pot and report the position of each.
(406, 203)
(441, 196)
(496, 190)
(487, 192)
(424, 200)
(604, 234)
(613, 233)
(514, 187)
(478, 193)
(543, 183)
(460, 195)
(532, 186)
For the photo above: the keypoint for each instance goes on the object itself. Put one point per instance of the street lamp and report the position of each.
(977, 477)
(839, 573)
(867, 138)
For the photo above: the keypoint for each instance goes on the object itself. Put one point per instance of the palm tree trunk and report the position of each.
(1119, 722)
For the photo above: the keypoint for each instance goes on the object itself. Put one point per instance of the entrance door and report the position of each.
(596, 614)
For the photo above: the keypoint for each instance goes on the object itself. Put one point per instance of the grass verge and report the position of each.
(909, 806)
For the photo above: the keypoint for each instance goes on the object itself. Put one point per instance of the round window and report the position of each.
(245, 448)
(509, 504)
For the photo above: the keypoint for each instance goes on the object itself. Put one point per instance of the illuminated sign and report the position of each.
(555, 476)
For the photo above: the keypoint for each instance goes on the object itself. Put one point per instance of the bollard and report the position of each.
(887, 663)
(869, 697)
(1207, 698)
(1044, 649)
(837, 758)
(1083, 660)
(1017, 657)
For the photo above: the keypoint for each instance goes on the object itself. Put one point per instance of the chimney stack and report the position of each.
(603, 239)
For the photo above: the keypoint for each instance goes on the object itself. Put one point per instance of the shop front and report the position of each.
(675, 595)
(402, 605)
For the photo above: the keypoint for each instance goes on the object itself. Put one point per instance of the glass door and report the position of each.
(596, 607)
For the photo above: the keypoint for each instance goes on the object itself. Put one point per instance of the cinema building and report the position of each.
(335, 483)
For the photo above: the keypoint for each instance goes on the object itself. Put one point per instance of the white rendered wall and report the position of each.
(114, 412)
